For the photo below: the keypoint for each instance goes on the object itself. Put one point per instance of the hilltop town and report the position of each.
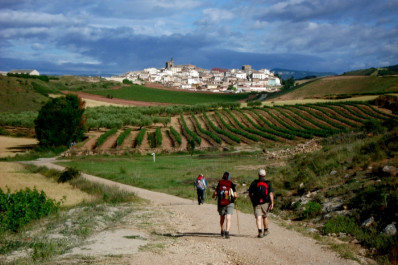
(191, 77)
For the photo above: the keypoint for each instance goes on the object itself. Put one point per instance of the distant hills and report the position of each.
(382, 71)
(286, 74)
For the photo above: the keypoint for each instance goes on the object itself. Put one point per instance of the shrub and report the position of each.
(254, 103)
(19, 208)
(128, 82)
(341, 224)
(3, 131)
(373, 126)
(312, 209)
(69, 174)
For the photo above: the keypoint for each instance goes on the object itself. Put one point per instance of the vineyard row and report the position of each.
(246, 126)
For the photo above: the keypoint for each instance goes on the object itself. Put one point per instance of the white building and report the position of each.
(258, 75)
(24, 72)
(151, 71)
(241, 75)
(274, 81)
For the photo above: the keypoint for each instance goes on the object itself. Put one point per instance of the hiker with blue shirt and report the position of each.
(201, 185)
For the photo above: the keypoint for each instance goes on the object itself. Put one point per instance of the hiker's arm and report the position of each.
(235, 195)
(271, 205)
(214, 194)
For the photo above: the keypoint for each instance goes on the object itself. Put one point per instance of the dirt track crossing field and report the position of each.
(190, 235)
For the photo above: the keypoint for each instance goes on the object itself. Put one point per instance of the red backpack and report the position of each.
(262, 192)
(224, 192)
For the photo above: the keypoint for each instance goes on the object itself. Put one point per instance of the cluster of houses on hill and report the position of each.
(21, 72)
(191, 77)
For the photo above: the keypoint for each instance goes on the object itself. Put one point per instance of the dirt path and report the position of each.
(191, 233)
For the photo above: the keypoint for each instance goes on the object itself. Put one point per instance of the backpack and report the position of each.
(200, 183)
(261, 194)
(224, 192)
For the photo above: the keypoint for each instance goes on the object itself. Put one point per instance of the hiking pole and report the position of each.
(193, 195)
(237, 217)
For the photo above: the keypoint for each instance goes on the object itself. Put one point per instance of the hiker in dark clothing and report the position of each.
(261, 195)
(201, 185)
(226, 194)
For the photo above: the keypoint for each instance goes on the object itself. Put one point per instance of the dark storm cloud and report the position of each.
(118, 36)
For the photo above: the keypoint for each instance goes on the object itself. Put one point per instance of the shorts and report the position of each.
(261, 209)
(227, 209)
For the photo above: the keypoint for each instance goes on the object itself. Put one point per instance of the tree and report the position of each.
(61, 121)
(191, 146)
(231, 88)
(128, 82)
(288, 83)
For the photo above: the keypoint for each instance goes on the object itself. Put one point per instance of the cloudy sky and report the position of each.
(113, 37)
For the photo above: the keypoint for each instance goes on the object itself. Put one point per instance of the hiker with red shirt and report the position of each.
(201, 184)
(261, 195)
(226, 194)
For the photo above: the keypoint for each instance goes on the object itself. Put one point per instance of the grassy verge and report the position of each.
(40, 241)
(173, 174)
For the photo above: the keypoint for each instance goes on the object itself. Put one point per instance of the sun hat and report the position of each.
(262, 172)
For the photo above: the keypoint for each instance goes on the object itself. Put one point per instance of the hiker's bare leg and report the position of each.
(265, 221)
(222, 219)
(258, 222)
(228, 222)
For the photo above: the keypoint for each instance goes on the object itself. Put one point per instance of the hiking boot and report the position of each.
(222, 233)
(266, 233)
(226, 234)
(260, 235)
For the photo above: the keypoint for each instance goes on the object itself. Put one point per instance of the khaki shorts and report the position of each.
(224, 210)
(261, 209)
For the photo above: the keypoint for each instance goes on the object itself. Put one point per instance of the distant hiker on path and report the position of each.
(201, 185)
(226, 194)
(261, 195)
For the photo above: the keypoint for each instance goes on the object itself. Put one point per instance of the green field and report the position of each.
(141, 93)
(341, 85)
(173, 174)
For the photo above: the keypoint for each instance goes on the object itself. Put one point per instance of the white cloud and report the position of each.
(217, 15)
(37, 46)
(27, 18)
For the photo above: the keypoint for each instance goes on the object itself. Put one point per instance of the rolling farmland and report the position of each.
(236, 127)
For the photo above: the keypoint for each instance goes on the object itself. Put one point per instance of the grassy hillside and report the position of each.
(339, 86)
(390, 70)
(19, 94)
